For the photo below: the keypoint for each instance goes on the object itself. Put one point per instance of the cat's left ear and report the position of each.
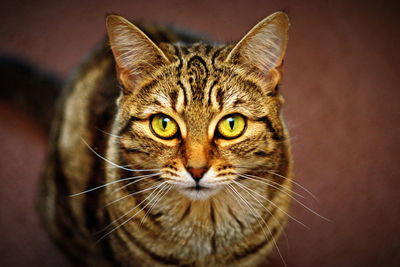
(136, 56)
(264, 46)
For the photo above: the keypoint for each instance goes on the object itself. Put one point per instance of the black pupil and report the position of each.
(231, 122)
(164, 122)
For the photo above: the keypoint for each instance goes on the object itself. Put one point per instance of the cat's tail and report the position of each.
(29, 89)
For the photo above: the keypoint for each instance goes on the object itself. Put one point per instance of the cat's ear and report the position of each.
(135, 54)
(263, 47)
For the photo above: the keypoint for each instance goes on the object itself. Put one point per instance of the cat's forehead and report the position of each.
(198, 71)
(209, 82)
(198, 85)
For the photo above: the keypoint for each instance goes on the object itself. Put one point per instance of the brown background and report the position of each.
(342, 90)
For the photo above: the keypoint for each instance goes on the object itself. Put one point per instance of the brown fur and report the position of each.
(237, 222)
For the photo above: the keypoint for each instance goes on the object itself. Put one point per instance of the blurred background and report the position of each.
(341, 87)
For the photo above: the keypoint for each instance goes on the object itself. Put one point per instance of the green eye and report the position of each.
(231, 126)
(164, 126)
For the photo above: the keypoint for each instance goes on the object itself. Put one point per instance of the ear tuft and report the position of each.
(264, 46)
(135, 54)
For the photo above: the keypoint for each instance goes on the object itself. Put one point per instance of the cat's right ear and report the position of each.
(136, 56)
(264, 46)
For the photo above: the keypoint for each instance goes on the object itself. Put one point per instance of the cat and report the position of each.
(169, 150)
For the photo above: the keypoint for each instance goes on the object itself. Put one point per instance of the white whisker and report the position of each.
(271, 202)
(155, 203)
(107, 133)
(273, 172)
(114, 167)
(305, 206)
(248, 190)
(297, 184)
(130, 210)
(114, 164)
(130, 218)
(252, 210)
(114, 182)
(268, 182)
(131, 194)
(144, 177)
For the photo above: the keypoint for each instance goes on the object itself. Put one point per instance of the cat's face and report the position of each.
(199, 122)
(198, 113)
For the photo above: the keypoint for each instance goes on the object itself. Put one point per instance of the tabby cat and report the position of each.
(170, 150)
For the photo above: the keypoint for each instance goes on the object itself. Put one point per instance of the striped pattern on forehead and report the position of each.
(197, 72)
(206, 78)
(199, 78)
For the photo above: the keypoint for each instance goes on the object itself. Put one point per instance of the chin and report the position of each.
(199, 192)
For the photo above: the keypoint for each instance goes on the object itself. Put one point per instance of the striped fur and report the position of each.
(196, 84)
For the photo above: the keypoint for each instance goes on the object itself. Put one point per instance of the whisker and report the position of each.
(283, 229)
(252, 210)
(267, 182)
(107, 133)
(226, 187)
(130, 218)
(251, 169)
(155, 203)
(297, 184)
(131, 194)
(134, 182)
(234, 196)
(247, 189)
(271, 202)
(303, 205)
(273, 172)
(112, 163)
(114, 182)
(129, 211)
(114, 167)
(240, 203)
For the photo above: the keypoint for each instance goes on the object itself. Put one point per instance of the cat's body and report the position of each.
(211, 207)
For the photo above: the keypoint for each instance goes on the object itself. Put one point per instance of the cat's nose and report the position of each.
(197, 173)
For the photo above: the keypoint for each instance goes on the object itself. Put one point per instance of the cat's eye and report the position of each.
(231, 126)
(164, 126)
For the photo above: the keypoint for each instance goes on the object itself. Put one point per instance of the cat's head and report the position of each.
(200, 113)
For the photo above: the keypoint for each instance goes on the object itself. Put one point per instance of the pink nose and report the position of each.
(197, 173)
